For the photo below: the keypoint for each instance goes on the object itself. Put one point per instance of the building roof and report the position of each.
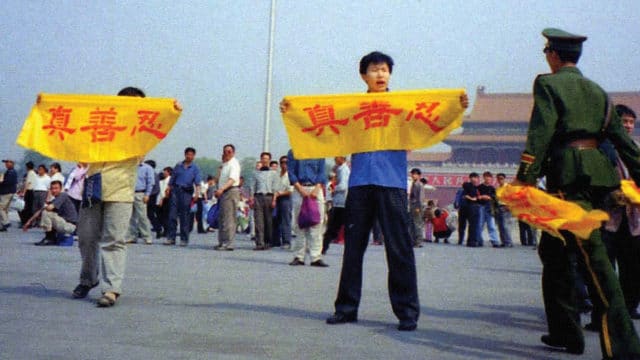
(516, 107)
(471, 138)
(429, 156)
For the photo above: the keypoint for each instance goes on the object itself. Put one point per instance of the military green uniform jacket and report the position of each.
(567, 107)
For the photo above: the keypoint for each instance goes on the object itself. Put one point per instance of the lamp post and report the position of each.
(267, 108)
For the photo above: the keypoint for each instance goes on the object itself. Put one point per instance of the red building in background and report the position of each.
(492, 138)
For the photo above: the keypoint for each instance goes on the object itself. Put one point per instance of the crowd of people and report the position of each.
(572, 124)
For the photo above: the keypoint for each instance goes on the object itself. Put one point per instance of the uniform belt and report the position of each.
(582, 144)
(308, 184)
(139, 191)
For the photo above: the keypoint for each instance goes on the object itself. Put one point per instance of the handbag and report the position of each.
(17, 203)
(309, 213)
(212, 216)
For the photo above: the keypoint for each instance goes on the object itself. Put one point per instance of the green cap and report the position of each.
(562, 40)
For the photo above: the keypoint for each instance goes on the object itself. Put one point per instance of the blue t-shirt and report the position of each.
(383, 168)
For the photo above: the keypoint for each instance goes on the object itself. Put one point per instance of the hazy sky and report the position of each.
(212, 55)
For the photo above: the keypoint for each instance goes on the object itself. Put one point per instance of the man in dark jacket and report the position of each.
(8, 186)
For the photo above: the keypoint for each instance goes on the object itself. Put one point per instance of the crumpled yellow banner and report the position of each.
(630, 191)
(332, 125)
(548, 213)
(96, 128)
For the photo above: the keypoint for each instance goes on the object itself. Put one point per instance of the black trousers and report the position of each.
(365, 205)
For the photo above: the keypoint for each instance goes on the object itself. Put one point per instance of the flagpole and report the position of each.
(267, 109)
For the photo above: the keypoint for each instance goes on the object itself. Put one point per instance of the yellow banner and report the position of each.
(548, 213)
(96, 128)
(331, 125)
(630, 191)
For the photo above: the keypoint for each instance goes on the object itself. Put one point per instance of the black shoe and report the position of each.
(407, 326)
(45, 242)
(592, 327)
(570, 348)
(340, 318)
(81, 291)
(319, 263)
(296, 262)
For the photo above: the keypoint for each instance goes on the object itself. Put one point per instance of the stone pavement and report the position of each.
(196, 303)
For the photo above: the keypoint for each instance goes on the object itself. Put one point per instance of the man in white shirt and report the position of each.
(228, 195)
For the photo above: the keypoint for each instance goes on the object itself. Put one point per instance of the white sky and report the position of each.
(212, 55)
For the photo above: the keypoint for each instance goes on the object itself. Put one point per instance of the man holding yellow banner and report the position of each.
(111, 133)
(378, 183)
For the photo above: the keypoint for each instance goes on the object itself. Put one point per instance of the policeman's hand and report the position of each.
(464, 100)
(177, 105)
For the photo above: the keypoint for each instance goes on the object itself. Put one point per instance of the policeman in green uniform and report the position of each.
(571, 116)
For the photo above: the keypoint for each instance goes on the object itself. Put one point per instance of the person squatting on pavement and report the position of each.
(59, 215)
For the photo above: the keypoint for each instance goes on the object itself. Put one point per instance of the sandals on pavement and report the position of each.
(107, 299)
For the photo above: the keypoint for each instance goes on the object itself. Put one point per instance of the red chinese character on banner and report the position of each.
(322, 116)
(59, 122)
(424, 113)
(147, 123)
(376, 113)
(102, 126)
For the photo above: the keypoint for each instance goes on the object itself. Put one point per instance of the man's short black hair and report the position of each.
(273, 162)
(189, 149)
(501, 175)
(487, 173)
(265, 153)
(168, 169)
(56, 165)
(131, 91)
(29, 165)
(231, 146)
(474, 174)
(568, 56)
(151, 163)
(623, 110)
(375, 57)
(44, 167)
(416, 171)
(56, 182)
